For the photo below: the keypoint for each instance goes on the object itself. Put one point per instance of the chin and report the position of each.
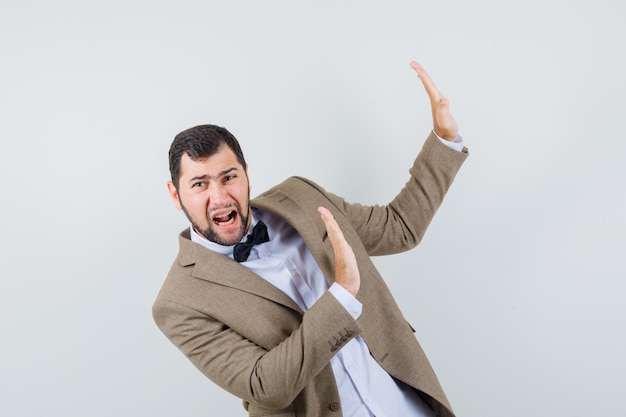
(222, 238)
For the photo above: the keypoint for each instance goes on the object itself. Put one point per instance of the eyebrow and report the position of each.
(206, 176)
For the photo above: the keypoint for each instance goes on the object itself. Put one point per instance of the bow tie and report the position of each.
(259, 235)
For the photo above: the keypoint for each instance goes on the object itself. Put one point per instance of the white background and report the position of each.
(517, 292)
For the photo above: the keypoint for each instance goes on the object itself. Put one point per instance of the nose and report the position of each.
(218, 195)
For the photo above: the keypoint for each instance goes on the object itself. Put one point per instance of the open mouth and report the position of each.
(225, 219)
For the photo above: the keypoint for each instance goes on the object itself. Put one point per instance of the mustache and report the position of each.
(232, 205)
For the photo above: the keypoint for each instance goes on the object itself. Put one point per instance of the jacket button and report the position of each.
(334, 406)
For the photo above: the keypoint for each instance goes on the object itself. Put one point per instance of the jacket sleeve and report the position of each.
(270, 377)
(401, 224)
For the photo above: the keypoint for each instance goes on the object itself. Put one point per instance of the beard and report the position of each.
(212, 233)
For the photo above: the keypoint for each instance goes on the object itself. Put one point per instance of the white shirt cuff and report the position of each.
(347, 300)
(456, 144)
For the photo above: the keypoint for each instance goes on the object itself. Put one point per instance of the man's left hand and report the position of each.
(444, 124)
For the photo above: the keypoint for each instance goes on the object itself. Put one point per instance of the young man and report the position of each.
(276, 299)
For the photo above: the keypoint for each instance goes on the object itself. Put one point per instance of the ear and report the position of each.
(248, 177)
(174, 194)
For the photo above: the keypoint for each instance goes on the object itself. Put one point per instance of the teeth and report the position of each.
(224, 220)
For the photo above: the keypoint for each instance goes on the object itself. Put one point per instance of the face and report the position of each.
(214, 193)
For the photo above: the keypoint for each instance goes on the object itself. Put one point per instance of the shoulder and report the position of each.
(295, 185)
(192, 262)
(305, 193)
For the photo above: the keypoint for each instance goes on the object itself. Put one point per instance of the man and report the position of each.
(301, 324)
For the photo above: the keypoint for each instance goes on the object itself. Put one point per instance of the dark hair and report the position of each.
(201, 142)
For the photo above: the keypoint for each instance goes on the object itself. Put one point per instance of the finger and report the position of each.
(340, 246)
(327, 216)
(334, 232)
(346, 268)
(431, 89)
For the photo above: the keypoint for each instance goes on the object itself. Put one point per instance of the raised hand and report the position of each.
(346, 270)
(443, 123)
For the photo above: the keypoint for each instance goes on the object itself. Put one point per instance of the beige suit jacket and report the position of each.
(252, 340)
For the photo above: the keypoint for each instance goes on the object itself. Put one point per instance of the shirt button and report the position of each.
(334, 406)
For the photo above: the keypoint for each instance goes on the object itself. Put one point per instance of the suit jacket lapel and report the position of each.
(219, 269)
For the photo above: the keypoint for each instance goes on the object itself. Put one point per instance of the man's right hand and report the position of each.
(346, 270)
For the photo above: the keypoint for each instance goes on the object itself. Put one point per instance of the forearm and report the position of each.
(401, 224)
(268, 376)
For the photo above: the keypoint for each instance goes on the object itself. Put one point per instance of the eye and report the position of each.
(198, 184)
(229, 178)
